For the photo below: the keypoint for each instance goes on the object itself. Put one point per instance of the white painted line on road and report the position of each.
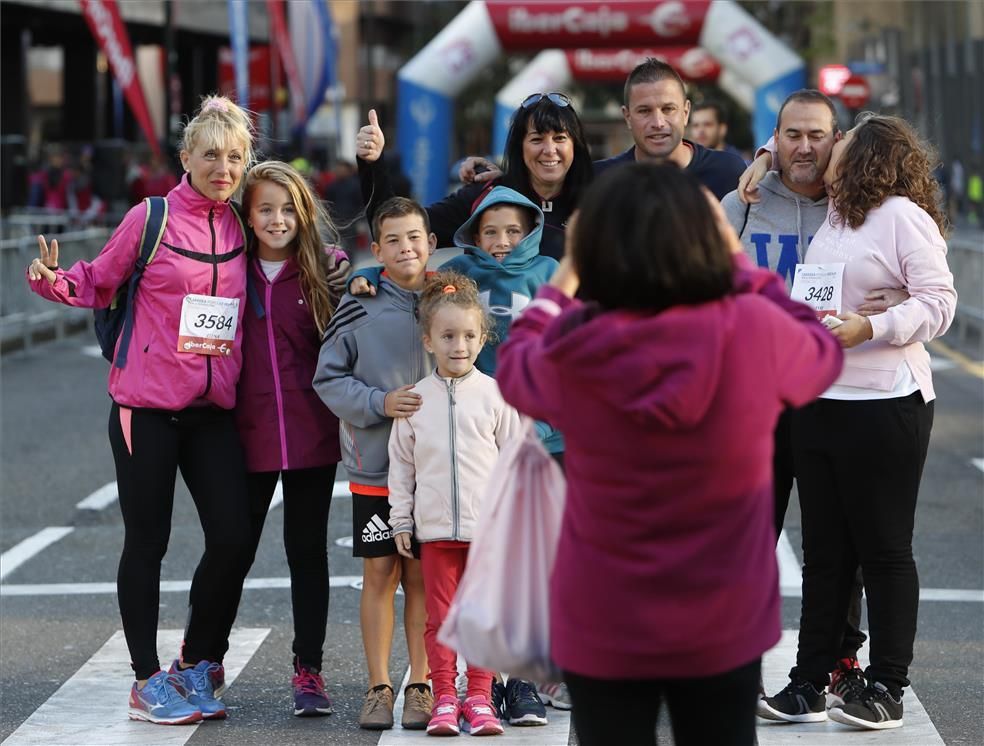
(101, 498)
(21, 553)
(790, 570)
(92, 351)
(937, 364)
(978, 462)
(167, 586)
(555, 733)
(339, 489)
(91, 707)
(950, 594)
(918, 729)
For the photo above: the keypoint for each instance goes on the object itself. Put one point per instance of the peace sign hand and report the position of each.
(47, 263)
(370, 141)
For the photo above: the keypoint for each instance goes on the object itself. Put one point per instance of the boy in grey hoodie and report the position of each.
(371, 357)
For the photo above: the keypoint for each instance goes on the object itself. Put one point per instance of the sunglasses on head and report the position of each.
(557, 99)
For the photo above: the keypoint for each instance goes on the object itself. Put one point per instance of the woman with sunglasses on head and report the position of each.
(546, 160)
(860, 448)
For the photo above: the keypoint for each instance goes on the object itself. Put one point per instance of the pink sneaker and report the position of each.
(444, 717)
(481, 717)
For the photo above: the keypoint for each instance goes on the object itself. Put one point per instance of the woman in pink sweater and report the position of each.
(859, 450)
(667, 384)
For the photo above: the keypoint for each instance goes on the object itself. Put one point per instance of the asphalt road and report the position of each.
(54, 452)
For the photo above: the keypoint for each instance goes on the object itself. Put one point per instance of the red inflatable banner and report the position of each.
(106, 25)
(693, 63)
(281, 41)
(542, 24)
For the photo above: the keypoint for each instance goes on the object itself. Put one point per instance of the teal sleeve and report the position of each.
(371, 275)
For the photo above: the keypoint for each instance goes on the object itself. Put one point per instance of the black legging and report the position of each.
(307, 501)
(713, 709)
(204, 444)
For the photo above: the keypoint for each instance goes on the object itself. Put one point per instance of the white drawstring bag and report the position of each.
(500, 617)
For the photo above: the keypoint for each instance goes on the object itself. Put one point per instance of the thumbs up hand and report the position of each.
(370, 143)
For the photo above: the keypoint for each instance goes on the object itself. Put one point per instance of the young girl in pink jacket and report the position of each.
(453, 440)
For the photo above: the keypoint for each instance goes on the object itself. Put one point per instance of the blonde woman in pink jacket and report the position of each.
(440, 461)
(860, 448)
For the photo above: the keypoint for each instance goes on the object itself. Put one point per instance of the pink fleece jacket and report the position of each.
(666, 562)
(201, 252)
(898, 245)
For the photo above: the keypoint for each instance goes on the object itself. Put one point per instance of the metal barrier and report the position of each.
(24, 315)
(966, 260)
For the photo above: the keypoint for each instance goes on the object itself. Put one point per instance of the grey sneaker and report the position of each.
(377, 709)
(417, 705)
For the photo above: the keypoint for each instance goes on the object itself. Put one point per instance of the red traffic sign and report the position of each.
(855, 92)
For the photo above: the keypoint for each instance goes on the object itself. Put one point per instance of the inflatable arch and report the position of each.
(428, 83)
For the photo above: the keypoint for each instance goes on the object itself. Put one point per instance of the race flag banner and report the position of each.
(239, 41)
(281, 40)
(103, 17)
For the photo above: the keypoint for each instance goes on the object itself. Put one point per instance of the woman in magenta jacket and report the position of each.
(294, 285)
(172, 405)
(667, 383)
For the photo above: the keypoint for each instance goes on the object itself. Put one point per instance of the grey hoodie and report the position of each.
(371, 347)
(779, 228)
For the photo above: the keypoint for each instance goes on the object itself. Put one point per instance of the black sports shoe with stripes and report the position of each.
(799, 702)
(875, 709)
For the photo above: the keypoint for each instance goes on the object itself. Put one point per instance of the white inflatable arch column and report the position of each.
(428, 83)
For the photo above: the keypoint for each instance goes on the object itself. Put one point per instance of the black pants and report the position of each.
(858, 468)
(203, 443)
(716, 710)
(783, 474)
(307, 501)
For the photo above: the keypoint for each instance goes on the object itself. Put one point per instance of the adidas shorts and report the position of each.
(371, 533)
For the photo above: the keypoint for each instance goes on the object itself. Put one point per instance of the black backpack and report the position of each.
(118, 317)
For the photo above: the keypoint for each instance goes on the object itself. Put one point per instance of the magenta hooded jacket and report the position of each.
(666, 561)
(282, 422)
(201, 252)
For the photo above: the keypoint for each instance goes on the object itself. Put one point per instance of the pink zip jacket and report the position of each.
(201, 252)
(898, 245)
(441, 456)
(282, 422)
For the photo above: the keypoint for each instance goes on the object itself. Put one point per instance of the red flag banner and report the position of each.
(281, 40)
(103, 17)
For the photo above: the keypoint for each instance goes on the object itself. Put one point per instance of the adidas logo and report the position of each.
(376, 530)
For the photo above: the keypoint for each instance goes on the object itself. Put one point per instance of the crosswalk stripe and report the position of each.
(918, 729)
(22, 552)
(90, 709)
(555, 733)
(101, 498)
(167, 586)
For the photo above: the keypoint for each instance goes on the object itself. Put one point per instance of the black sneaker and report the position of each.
(523, 705)
(799, 702)
(875, 709)
(846, 683)
(498, 698)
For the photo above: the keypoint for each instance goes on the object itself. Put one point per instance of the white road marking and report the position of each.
(936, 364)
(978, 462)
(91, 707)
(340, 489)
(21, 553)
(790, 570)
(101, 498)
(92, 351)
(167, 586)
(555, 733)
(917, 731)
(344, 541)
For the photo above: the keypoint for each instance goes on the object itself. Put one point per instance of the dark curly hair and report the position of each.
(450, 288)
(885, 158)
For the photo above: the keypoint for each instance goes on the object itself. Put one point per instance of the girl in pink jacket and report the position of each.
(293, 287)
(440, 461)
(172, 405)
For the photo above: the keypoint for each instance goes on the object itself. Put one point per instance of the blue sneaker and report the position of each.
(161, 701)
(523, 705)
(197, 684)
(310, 697)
